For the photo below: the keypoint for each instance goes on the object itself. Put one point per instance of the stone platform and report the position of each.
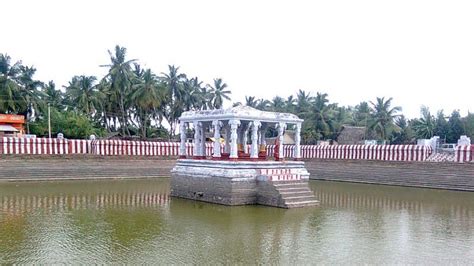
(280, 184)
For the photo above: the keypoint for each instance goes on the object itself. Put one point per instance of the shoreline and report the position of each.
(34, 168)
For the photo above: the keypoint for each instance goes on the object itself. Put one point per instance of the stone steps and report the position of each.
(296, 194)
(302, 204)
(92, 168)
(430, 175)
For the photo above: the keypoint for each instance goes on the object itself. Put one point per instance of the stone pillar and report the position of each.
(217, 136)
(182, 145)
(202, 143)
(197, 138)
(234, 124)
(227, 139)
(281, 130)
(245, 138)
(255, 149)
(297, 154)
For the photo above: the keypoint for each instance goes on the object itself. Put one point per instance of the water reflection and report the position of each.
(457, 205)
(135, 221)
(15, 204)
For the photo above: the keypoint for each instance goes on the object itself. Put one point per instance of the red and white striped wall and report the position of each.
(363, 152)
(280, 174)
(143, 148)
(146, 148)
(79, 146)
(11, 145)
(464, 154)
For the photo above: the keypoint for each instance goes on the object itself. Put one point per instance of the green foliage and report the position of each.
(456, 127)
(404, 133)
(424, 127)
(71, 124)
(469, 125)
(19, 92)
(383, 115)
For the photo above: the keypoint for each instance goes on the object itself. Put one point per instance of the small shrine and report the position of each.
(239, 171)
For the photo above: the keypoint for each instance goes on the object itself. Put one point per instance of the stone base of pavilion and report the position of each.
(281, 184)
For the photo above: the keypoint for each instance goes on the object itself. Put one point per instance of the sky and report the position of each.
(418, 52)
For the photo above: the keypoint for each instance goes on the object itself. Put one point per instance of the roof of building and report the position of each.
(351, 135)
(240, 113)
(8, 128)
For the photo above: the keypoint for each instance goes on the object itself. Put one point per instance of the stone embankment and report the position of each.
(61, 167)
(452, 176)
(446, 175)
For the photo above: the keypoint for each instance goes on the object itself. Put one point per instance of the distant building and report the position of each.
(351, 135)
(288, 138)
(12, 125)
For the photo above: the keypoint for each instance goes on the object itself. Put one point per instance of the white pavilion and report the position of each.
(234, 125)
(240, 175)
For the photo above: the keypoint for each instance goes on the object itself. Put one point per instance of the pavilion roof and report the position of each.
(240, 113)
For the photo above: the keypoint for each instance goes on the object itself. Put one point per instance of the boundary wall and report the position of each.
(10, 145)
(464, 154)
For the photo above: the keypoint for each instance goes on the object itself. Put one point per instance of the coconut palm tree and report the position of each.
(424, 127)
(120, 76)
(383, 115)
(175, 95)
(54, 97)
(303, 103)
(250, 101)
(290, 104)
(321, 115)
(277, 104)
(219, 92)
(10, 101)
(82, 93)
(148, 97)
(263, 104)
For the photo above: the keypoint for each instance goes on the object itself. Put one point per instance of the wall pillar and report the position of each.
(245, 138)
(227, 139)
(297, 154)
(182, 145)
(281, 130)
(202, 143)
(197, 138)
(217, 136)
(255, 149)
(234, 125)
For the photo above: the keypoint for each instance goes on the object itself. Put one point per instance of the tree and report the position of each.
(70, 123)
(456, 127)
(175, 95)
(82, 93)
(263, 104)
(53, 96)
(250, 101)
(303, 103)
(277, 104)
(148, 97)
(120, 76)
(469, 125)
(219, 92)
(383, 116)
(424, 127)
(321, 116)
(195, 96)
(404, 134)
(10, 101)
(441, 127)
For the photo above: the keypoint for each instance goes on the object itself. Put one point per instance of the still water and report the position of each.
(135, 221)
